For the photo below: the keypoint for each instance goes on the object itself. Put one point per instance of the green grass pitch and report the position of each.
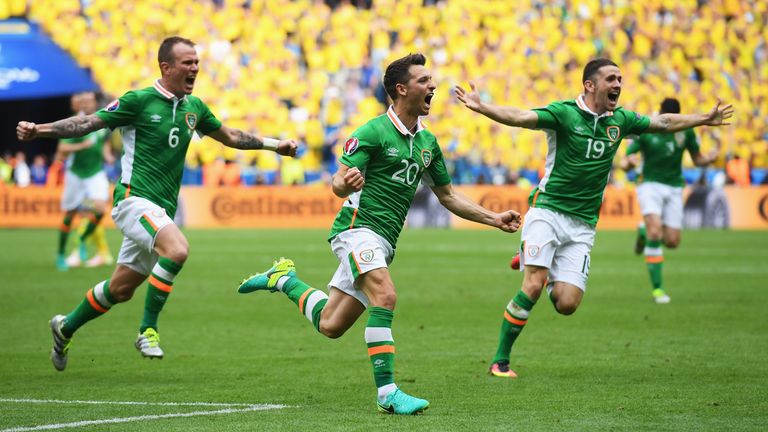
(619, 363)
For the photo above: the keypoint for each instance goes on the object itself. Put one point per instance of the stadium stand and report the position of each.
(313, 71)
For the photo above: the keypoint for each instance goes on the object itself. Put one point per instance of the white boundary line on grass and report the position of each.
(230, 408)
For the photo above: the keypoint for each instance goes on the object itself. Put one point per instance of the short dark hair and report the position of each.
(670, 105)
(397, 72)
(593, 66)
(165, 53)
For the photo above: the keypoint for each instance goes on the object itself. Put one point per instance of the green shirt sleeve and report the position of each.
(691, 143)
(437, 174)
(634, 123)
(122, 111)
(548, 116)
(360, 148)
(208, 122)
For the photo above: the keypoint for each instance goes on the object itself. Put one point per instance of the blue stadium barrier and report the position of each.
(758, 175)
(192, 176)
(531, 175)
(691, 175)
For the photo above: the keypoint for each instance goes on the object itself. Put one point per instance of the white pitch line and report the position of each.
(94, 402)
(243, 408)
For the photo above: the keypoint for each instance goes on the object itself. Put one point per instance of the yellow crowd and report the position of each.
(292, 67)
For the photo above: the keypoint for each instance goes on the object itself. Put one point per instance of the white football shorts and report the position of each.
(359, 251)
(139, 220)
(77, 190)
(558, 242)
(663, 200)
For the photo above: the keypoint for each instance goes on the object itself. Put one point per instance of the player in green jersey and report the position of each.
(84, 181)
(660, 193)
(583, 136)
(382, 165)
(157, 124)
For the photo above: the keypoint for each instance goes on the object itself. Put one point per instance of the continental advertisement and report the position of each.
(316, 206)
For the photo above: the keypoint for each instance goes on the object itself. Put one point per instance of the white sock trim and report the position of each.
(160, 272)
(378, 334)
(312, 301)
(281, 282)
(98, 292)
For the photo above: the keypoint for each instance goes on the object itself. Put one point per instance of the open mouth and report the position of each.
(428, 99)
(614, 96)
(190, 80)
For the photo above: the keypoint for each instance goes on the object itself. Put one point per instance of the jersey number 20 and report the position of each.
(407, 174)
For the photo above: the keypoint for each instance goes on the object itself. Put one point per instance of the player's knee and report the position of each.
(331, 330)
(672, 243)
(178, 253)
(565, 307)
(386, 299)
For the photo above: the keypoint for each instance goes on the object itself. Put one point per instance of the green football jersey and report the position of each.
(581, 147)
(156, 128)
(393, 162)
(663, 155)
(88, 161)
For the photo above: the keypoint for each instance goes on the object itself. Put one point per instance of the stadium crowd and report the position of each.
(311, 69)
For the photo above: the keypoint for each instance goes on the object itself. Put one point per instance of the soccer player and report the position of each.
(157, 124)
(661, 192)
(382, 165)
(559, 230)
(84, 180)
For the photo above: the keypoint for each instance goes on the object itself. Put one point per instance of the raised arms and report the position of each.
(238, 139)
(505, 115)
(717, 116)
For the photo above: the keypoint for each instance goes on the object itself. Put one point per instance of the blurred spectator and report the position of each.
(39, 170)
(55, 176)
(315, 66)
(6, 170)
(737, 170)
(21, 174)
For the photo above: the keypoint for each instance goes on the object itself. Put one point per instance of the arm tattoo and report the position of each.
(77, 126)
(246, 141)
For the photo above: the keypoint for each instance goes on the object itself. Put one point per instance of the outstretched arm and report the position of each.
(505, 115)
(238, 139)
(71, 127)
(463, 207)
(717, 116)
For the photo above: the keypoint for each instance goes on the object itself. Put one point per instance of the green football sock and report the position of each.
(515, 317)
(381, 347)
(654, 258)
(310, 301)
(158, 290)
(66, 226)
(641, 231)
(96, 303)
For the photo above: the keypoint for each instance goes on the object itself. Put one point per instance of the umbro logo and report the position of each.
(393, 151)
(155, 118)
(578, 129)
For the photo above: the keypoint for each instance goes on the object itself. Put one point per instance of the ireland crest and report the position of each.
(426, 157)
(366, 255)
(613, 132)
(191, 119)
